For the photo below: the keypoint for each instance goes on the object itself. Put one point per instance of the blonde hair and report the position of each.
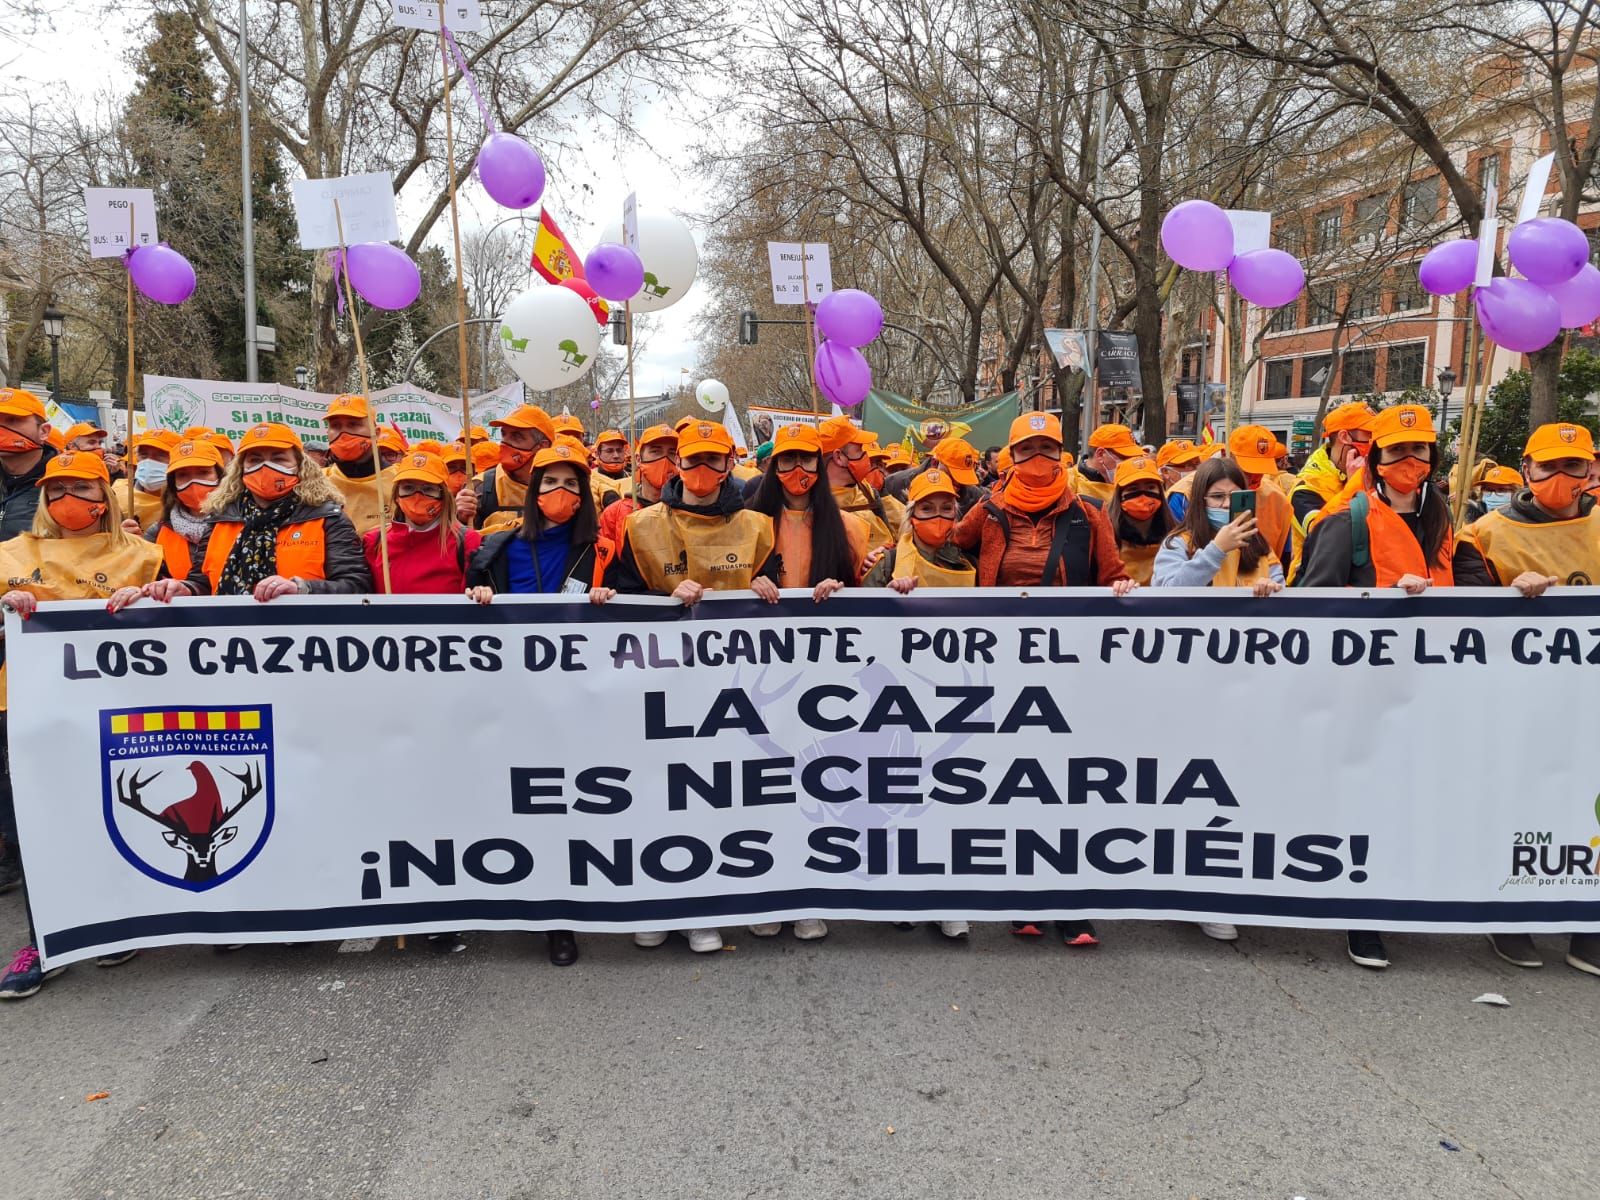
(313, 488)
(46, 526)
(449, 522)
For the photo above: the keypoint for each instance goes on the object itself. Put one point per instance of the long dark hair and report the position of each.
(1198, 525)
(830, 548)
(1161, 524)
(1434, 514)
(585, 523)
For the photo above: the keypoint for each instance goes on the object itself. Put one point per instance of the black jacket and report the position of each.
(1325, 559)
(623, 573)
(491, 568)
(344, 563)
(1471, 569)
(19, 498)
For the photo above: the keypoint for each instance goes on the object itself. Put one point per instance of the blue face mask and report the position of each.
(150, 474)
(1218, 517)
(1494, 500)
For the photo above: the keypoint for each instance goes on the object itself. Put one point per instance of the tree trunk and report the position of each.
(1546, 378)
(1147, 327)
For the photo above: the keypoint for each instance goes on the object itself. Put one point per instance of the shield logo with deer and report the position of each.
(188, 793)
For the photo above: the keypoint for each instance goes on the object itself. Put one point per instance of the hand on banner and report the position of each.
(689, 592)
(1236, 532)
(1531, 583)
(765, 589)
(274, 586)
(1413, 585)
(22, 603)
(122, 597)
(467, 504)
(1124, 587)
(481, 595)
(1266, 587)
(823, 590)
(600, 595)
(165, 591)
(904, 586)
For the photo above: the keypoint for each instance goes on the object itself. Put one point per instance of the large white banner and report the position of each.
(222, 771)
(232, 408)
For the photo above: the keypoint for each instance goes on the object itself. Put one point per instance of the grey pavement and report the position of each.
(876, 1063)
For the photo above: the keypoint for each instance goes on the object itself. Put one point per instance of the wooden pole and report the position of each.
(372, 424)
(128, 467)
(811, 344)
(1470, 414)
(455, 233)
(627, 321)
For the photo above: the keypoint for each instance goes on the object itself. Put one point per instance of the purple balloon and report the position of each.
(1269, 278)
(849, 317)
(510, 170)
(842, 375)
(1449, 267)
(1198, 235)
(161, 273)
(1518, 314)
(1548, 250)
(383, 275)
(1578, 298)
(614, 271)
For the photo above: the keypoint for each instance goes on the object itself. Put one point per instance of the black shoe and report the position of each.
(1517, 949)
(227, 947)
(1077, 933)
(10, 871)
(117, 959)
(563, 947)
(1584, 953)
(1366, 949)
(903, 925)
(447, 943)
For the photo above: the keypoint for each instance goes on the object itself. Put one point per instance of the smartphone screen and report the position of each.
(1241, 501)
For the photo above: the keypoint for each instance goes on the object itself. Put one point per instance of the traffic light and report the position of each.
(619, 328)
(748, 324)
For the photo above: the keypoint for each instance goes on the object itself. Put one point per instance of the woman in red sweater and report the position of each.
(428, 547)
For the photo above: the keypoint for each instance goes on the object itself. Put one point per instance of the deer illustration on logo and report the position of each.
(199, 825)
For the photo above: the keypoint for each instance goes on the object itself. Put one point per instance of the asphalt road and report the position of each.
(875, 1063)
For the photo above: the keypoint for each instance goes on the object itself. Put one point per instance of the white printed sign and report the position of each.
(1252, 229)
(799, 275)
(108, 210)
(630, 222)
(1488, 236)
(366, 208)
(462, 16)
(1533, 193)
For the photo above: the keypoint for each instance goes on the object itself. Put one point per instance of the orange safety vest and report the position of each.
(1139, 561)
(177, 551)
(1395, 552)
(302, 549)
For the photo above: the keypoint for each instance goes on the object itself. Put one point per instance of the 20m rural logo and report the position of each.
(1542, 859)
(187, 792)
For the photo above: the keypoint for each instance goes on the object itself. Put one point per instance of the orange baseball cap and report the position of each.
(20, 402)
(1177, 453)
(610, 435)
(1251, 447)
(566, 450)
(454, 452)
(658, 433)
(420, 466)
(1038, 424)
(348, 405)
(1279, 450)
(83, 429)
(485, 455)
(527, 416)
(392, 440)
(898, 458)
(159, 439)
(802, 438)
(1402, 423)
(567, 423)
(480, 434)
(838, 432)
(1002, 461)
(1137, 470)
(704, 437)
(678, 426)
(877, 453)
(218, 441)
(1356, 414)
(1561, 440)
(428, 446)
(75, 464)
(1503, 477)
(932, 482)
(1116, 438)
(959, 458)
(194, 452)
(270, 436)
(55, 437)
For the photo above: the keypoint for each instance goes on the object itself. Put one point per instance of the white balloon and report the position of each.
(712, 394)
(666, 247)
(549, 337)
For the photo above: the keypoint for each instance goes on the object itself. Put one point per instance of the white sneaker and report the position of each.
(704, 941)
(649, 940)
(954, 929)
(770, 929)
(1219, 930)
(810, 929)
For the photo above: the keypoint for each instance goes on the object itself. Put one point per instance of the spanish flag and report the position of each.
(553, 255)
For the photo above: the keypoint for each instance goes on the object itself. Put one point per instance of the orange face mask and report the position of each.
(456, 480)
(559, 506)
(75, 513)
(193, 495)
(1556, 492)
(1037, 471)
(615, 470)
(657, 472)
(874, 479)
(268, 482)
(1141, 508)
(1405, 476)
(350, 448)
(513, 460)
(420, 509)
(860, 468)
(797, 481)
(12, 442)
(933, 532)
(702, 480)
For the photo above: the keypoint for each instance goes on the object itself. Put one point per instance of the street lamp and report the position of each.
(302, 375)
(55, 324)
(1447, 385)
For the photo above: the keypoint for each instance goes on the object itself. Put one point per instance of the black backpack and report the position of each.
(1071, 543)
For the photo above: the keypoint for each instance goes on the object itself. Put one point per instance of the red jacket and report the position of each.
(417, 566)
(1019, 561)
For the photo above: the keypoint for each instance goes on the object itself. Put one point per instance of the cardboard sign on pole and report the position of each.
(109, 223)
(799, 277)
(366, 202)
(1488, 236)
(1252, 229)
(630, 222)
(1533, 193)
(461, 16)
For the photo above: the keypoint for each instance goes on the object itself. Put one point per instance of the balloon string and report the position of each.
(472, 84)
(336, 261)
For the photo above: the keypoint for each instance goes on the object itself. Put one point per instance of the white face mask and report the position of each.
(1494, 500)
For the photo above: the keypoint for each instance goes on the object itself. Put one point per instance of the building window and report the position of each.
(1280, 378)
(1488, 171)
(1408, 293)
(1313, 371)
(1365, 302)
(1324, 304)
(1420, 203)
(1292, 238)
(1372, 214)
(1285, 319)
(1328, 225)
(1359, 371)
(1405, 366)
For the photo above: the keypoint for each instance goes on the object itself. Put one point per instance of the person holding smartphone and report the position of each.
(1218, 544)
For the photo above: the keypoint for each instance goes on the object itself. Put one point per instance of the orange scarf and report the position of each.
(1022, 497)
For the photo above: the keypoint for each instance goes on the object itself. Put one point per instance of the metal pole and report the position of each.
(1091, 403)
(55, 368)
(249, 224)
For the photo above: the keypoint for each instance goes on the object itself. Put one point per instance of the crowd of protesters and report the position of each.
(683, 511)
